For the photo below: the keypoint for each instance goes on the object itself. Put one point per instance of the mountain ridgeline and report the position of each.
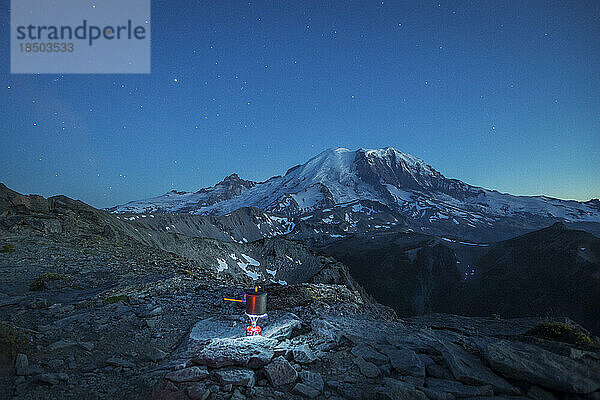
(402, 185)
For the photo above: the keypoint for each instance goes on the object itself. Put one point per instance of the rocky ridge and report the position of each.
(94, 307)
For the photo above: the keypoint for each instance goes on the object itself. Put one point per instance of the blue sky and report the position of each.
(500, 94)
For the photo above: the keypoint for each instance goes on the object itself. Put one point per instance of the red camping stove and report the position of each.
(256, 307)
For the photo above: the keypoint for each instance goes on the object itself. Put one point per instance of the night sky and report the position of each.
(500, 94)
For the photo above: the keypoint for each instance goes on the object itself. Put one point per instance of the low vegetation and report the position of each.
(13, 340)
(44, 280)
(563, 332)
(115, 299)
(7, 248)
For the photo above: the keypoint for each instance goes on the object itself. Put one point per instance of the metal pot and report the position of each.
(256, 302)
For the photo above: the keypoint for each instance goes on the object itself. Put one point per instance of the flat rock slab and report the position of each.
(469, 369)
(251, 351)
(535, 365)
(369, 354)
(62, 344)
(235, 376)
(405, 361)
(120, 362)
(278, 325)
(393, 389)
(192, 374)
(217, 328)
(458, 389)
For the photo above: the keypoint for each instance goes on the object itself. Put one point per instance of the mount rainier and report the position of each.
(367, 183)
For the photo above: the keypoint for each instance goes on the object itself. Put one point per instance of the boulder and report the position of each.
(198, 392)
(367, 368)
(405, 361)
(21, 364)
(155, 354)
(191, 374)
(535, 365)
(305, 391)
(369, 354)
(280, 372)
(312, 379)
(235, 376)
(349, 391)
(303, 354)
(283, 349)
(326, 330)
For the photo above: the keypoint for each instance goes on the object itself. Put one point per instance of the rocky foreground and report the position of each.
(348, 351)
(89, 311)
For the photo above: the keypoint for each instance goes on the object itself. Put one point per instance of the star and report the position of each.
(175, 80)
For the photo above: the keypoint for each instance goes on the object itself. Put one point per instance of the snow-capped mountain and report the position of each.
(406, 186)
